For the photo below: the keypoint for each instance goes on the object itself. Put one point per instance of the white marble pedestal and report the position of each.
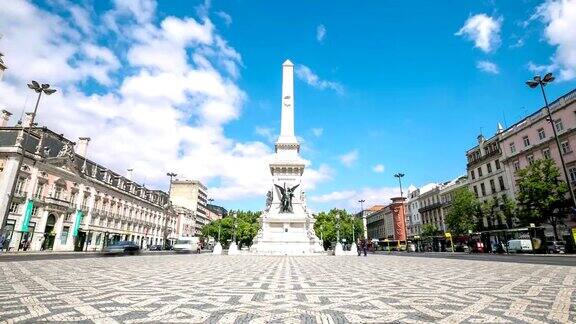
(217, 249)
(233, 249)
(354, 249)
(338, 250)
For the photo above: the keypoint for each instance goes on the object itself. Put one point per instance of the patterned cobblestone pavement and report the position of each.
(260, 289)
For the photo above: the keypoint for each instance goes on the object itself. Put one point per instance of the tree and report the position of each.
(508, 209)
(327, 224)
(541, 194)
(462, 215)
(247, 226)
(429, 230)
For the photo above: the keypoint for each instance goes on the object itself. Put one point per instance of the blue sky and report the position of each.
(383, 86)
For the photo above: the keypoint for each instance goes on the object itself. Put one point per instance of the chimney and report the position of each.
(27, 119)
(129, 174)
(5, 118)
(82, 146)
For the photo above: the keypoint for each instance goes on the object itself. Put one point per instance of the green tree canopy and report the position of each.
(327, 224)
(462, 214)
(247, 225)
(429, 230)
(541, 194)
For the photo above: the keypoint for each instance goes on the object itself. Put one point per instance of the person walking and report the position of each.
(364, 247)
(359, 247)
(2, 240)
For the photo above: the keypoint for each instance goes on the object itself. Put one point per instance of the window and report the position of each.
(479, 171)
(14, 207)
(565, 147)
(546, 153)
(541, 134)
(64, 235)
(497, 162)
(558, 124)
(472, 174)
(483, 189)
(39, 190)
(492, 186)
(516, 165)
(20, 187)
(57, 192)
(526, 141)
(512, 148)
(572, 172)
(530, 159)
(489, 167)
(501, 181)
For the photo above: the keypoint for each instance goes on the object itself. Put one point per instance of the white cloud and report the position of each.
(166, 111)
(349, 158)
(487, 67)
(266, 132)
(378, 168)
(483, 30)
(305, 74)
(225, 17)
(320, 33)
(317, 131)
(560, 19)
(349, 198)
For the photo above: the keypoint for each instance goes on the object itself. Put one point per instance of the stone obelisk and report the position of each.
(287, 228)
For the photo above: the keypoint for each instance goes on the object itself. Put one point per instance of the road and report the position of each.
(262, 289)
(33, 256)
(544, 259)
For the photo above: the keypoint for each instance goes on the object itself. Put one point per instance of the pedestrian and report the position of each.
(2, 240)
(364, 247)
(359, 247)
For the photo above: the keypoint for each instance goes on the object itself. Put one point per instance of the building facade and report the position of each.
(413, 213)
(191, 194)
(487, 175)
(64, 201)
(532, 138)
(448, 191)
(388, 222)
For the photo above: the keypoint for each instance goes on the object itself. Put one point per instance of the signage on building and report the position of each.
(27, 216)
(79, 216)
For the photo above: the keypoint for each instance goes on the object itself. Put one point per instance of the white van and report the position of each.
(519, 246)
(187, 244)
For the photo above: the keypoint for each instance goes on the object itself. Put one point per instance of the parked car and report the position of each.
(553, 247)
(156, 247)
(519, 246)
(187, 244)
(122, 247)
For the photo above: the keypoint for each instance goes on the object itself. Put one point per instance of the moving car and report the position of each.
(122, 247)
(519, 246)
(555, 247)
(187, 244)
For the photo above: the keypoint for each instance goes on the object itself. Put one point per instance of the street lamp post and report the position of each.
(172, 175)
(364, 223)
(400, 176)
(538, 81)
(39, 89)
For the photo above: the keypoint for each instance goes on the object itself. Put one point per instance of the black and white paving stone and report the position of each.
(260, 289)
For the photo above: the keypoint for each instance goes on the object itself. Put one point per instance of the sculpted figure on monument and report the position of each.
(268, 200)
(286, 195)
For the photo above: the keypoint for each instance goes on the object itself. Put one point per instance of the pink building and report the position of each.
(532, 138)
